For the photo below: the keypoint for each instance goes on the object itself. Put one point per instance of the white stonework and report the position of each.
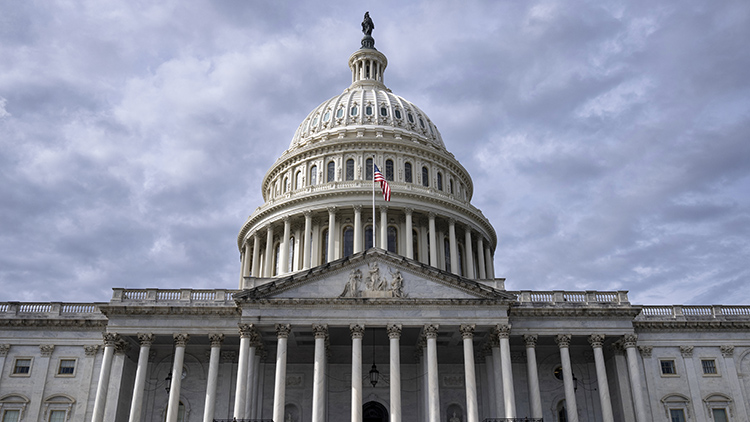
(417, 328)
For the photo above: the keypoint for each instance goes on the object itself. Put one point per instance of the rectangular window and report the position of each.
(720, 415)
(709, 366)
(57, 416)
(11, 415)
(667, 367)
(22, 366)
(677, 415)
(67, 367)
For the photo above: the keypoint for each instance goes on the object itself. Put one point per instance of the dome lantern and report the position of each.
(367, 63)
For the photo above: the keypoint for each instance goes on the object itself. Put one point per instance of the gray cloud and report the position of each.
(607, 141)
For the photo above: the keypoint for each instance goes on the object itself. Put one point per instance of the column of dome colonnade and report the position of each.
(302, 240)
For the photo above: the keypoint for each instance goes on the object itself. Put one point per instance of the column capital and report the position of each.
(451, 221)
(727, 351)
(91, 349)
(332, 210)
(502, 330)
(283, 330)
(320, 330)
(357, 330)
(247, 331)
(431, 215)
(307, 213)
(181, 339)
(146, 339)
(530, 340)
(431, 330)
(216, 339)
(46, 349)
(228, 356)
(286, 219)
(596, 340)
(686, 351)
(110, 339)
(358, 208)
(646, 351)
(563, 340)
(394, 330)
(467, 331)
(4, 348)
(629, 340)
(408, 211)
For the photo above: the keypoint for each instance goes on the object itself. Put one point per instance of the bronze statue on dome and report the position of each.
(367, 25)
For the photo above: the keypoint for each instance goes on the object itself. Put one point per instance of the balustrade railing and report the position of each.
(693, 311)
(513, 420)
(575, 297)
(30, 309)
(243, 420)
(219, 296)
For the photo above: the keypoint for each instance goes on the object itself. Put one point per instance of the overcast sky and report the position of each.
(608, 141)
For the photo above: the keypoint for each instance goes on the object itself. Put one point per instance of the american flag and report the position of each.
(378, 177)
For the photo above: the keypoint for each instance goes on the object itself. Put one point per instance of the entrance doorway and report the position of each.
(373, 411)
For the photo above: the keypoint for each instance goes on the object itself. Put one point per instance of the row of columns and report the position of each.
(308, 244)
(501, 375)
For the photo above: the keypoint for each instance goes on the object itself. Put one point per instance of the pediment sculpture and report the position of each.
(375, 285)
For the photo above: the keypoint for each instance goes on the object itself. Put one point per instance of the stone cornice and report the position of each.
(641, 326)
(346, 303)
(73, 323)
(561, 310)
(177, 309)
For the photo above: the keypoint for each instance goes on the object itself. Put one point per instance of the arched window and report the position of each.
(392, 239)
(460, 260)
(407, 173)
(562, 413)
(440, 181)
(348, 241)
(291, 254)
(350, 169)
(389, 170)
(313, 175)
(180, 413)
(324, 245)
(451, 186)
(425, 177)
(286, 183)
(368, 236)
(331, 176)
(415, 244)
(368, 169)
(298, 180)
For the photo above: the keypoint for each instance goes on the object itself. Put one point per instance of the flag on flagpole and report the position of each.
(378, 177)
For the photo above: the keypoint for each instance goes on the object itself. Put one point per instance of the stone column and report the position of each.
(254, 407)
(268, 264)
(331, 233)
(433, 241)
(284, 248)
(629, 343)
(180, 341)
(247, 335)
(498, 375)
(394, 336)
(251, 368)
(213, 376)
(358, 243)
(472, 409)
(453, 245)
(490, 373)
(306, 243)
(489, 263)
(563, 340)
(110, 340)
(509, 395)
(255, 269)
(319, 373)
(469, 261)
(140, 376)
(597, 340)
(432, 373)
(279, 389)
(358, 331)
(727, 353)
(480, 257)
(535, 397)
(384, 228)
(409, 229)
(4, 348)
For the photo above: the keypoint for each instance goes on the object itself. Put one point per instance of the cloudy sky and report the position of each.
(608, 140)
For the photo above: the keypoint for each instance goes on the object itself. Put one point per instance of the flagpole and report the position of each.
(373, 201)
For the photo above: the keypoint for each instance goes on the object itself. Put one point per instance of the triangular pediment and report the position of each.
(373, 274)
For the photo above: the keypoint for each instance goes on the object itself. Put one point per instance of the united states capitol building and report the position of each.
(349, 311)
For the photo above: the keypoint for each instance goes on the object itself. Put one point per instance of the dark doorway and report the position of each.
(373, 411)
